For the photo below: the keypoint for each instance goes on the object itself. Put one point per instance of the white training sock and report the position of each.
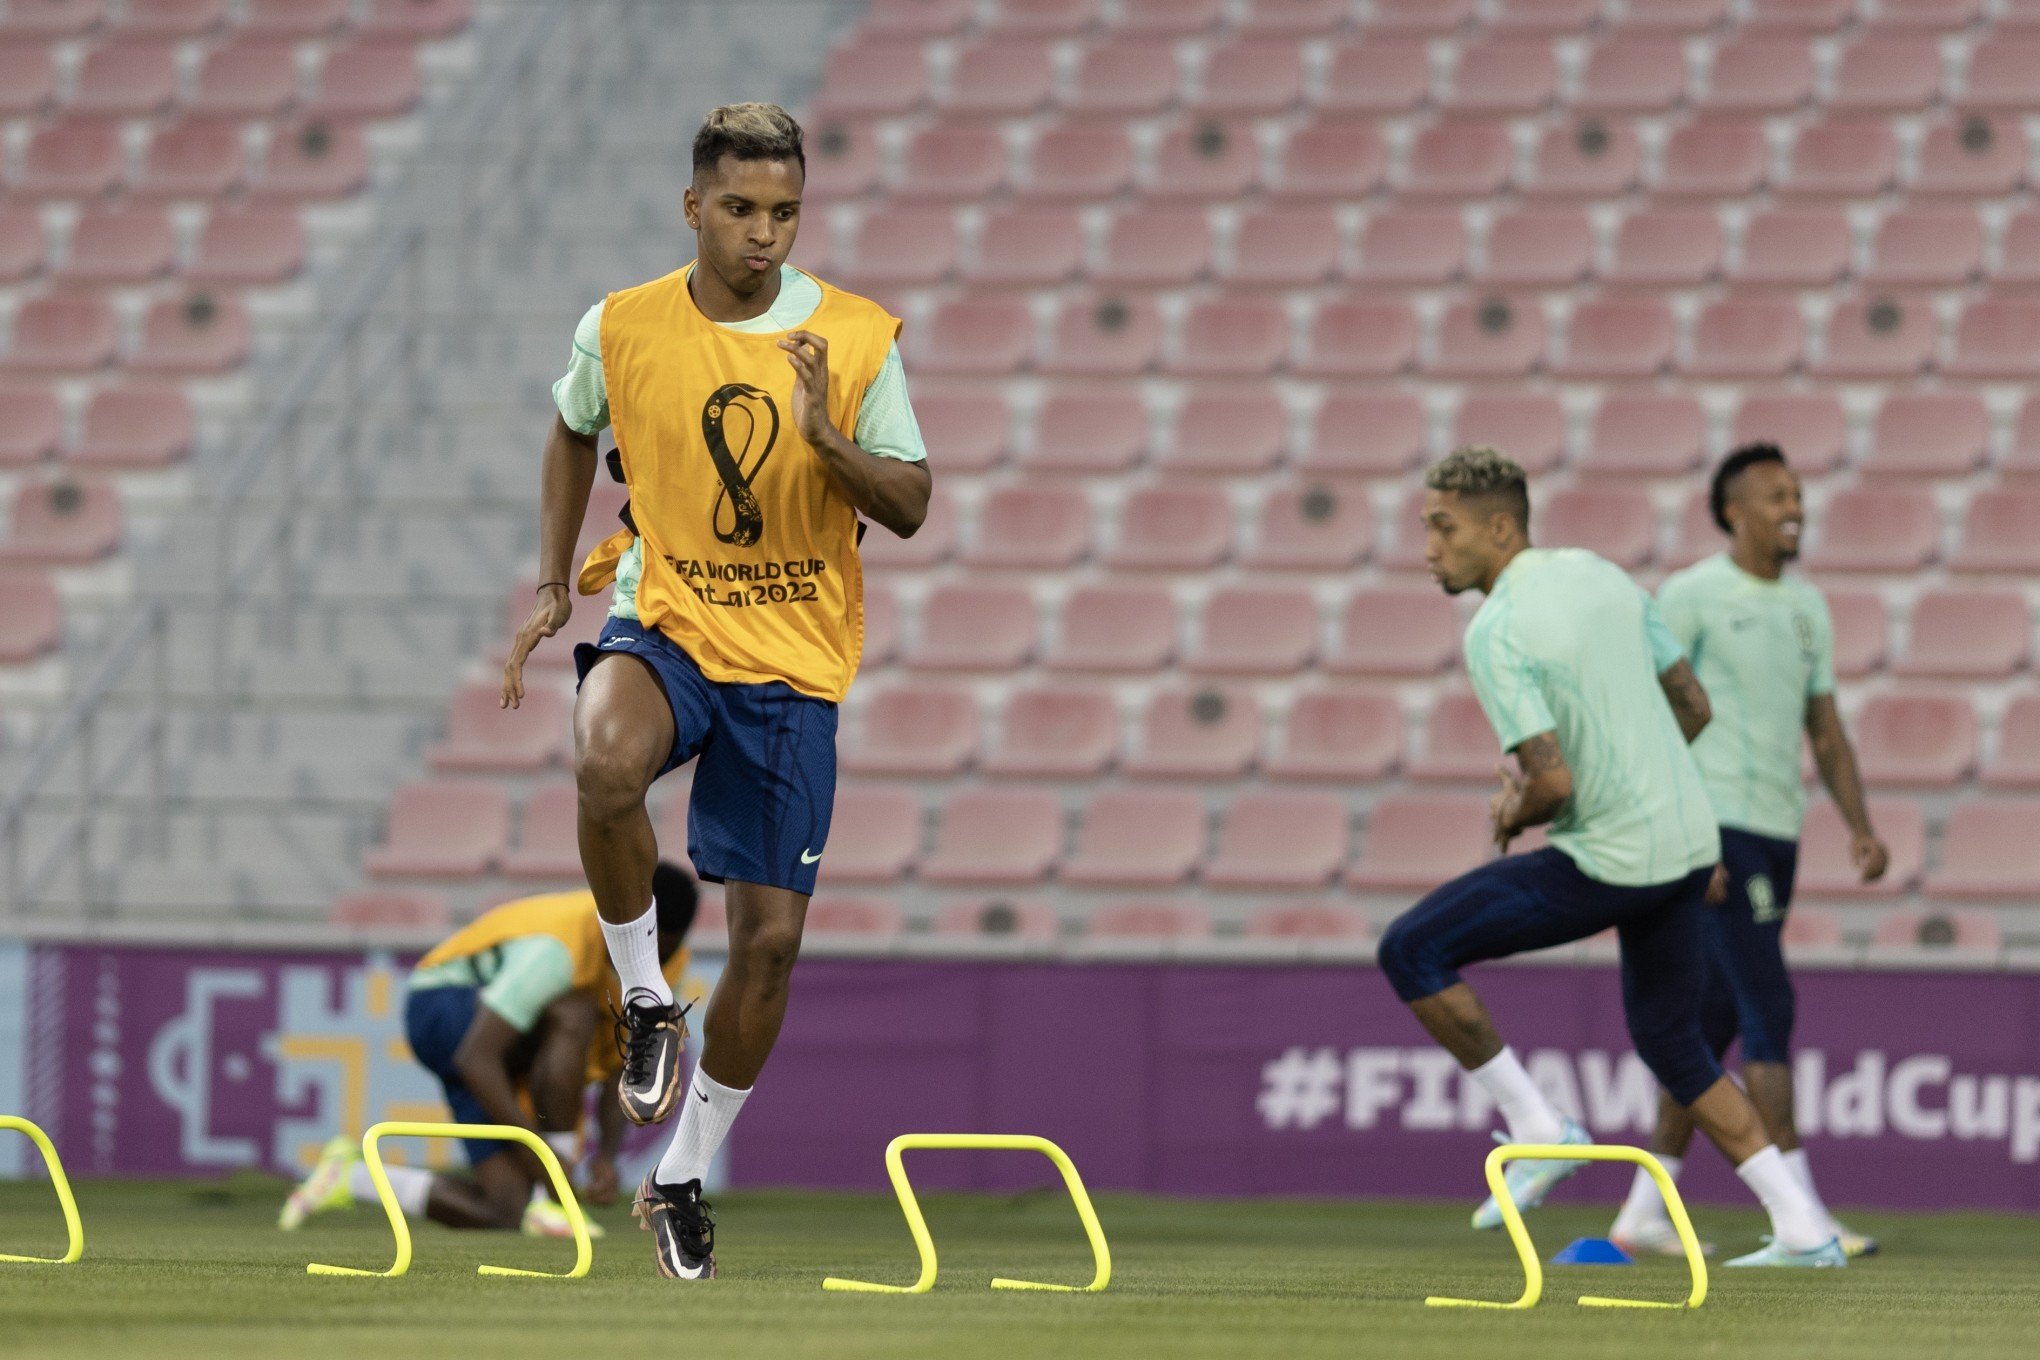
(634, 949)
(412, 1186)
(1796, 1218)
(1531, 1118)
(1645, 1206)
(711, 1109)
(1803, 1170)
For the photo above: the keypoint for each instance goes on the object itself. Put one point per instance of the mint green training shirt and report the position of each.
(1568, 644)
(518, 978)
(886, 426)
(1761, 649)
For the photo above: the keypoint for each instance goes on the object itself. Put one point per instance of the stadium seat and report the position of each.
(1841, 158)
(23, 243)
(1811, 927)
(1459, 158)
(1879, 337)
(1311, 529)
(2015, 763)
(548, 835)
(1528, 426)
(1714, 157)
(196, 159)
(1148, 921)
(1306, 921)
(1825, 870)
(1203, 160)
(442, 828)
(483, 737)
(1103, 336)
(416, 19)
(1883, 528)
(1115, 629)
(1289, 247)
(1412, 247)
(1083, 162)
(1809, 426)
(1431, 17)
(1987, 852)
(968, 627)
(1799, 16)
(1546, 17)
(999, 78)
(948, 164)
(973, 336)
(119, 246)
(1862, 633)
(874, 834)
(1231, 337)
(125, 78)
(1157, 247)
(1132, 77)
(422, 911)
(915, 18)
(1928, 15)
(133, 428)
(312, 160)
(1366, 434)
(1760, 73)
(61, 521)
(843, 161)
(194, 335)
(1997, 532)
(1251, 77)
(1746, 337)
(1294, 18)
(1031, 528)
(55, 18)
(31, 424)
(1887, 73)
(1494, 338)
(1358, 338)
(1503, 74)
(1280, 839)
(1618, 337)
(1794, 248)
(294, 18)
(1055, 732)
(1959, 931)
(868, 917)
(1588, 159)
(66, 334)
(1340, 736)
(1414, 842)
(1375, 76)
(1655, 434)
(1673, 16)
(1172, 527)
(1088, 430)
(1631, 73)
(1001, 917)
(247, 78)
(1396, 631)
(1043, 18)
(1978, 156)
(1616, 522)
(1666, 248)
(1330, 160)
(973, 426)
(2018, 254)
(1915, 741)
(71, 158)
(1459, 745)
(1928, 434)
(28, 80)
(372, 78)
(245, 246)
(1227, 432)
(1695, 536)
(1538, 248)
(2004, 73)
(1997, 337)
(932, 544)
(1255, 630)
(1967, 634)
(915, 730)
(906, 246)
(1206, 733)
(1938, 247)
(31, 616)
(1029, 248)
(995, 836)
(872, 78)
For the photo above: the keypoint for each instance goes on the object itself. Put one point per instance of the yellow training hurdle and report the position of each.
(61, 1183)
(584, 1250)
(918, 1225)
(1533, 1269)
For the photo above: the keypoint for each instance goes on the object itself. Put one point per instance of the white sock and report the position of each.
(634, 949)
(412, 1186)
(1645, 1207)
(1796, 1218)
(1531, 1118)
(711, 1109)
(1803, 1170)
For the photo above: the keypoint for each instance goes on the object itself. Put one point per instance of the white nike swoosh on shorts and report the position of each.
(806, 858)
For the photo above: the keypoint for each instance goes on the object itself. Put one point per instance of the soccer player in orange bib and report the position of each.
(760, 417)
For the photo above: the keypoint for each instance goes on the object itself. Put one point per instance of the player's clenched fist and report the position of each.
(555, 606)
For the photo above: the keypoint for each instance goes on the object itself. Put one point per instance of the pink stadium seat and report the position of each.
(134, 428)
(371, 78)
(61, 522)
(31, 616)
(1987, 852)
(2016, 762)
(1809, 426)
(1503, 74)
(1405, 553)
(1997, 532)
(1396, 631)
(1616, 522)
(417, 18)
(1696, 536)
(1149, 921)
(1088, 431)
(933, 544)
(1715, 156)
(391, 910)
(442, 828)
(1932, 246)
(1280, 839)
(1415, 247)
(1117, 629)
(1043, 18)
(1545, 16)
(2004, 73)
(1252, 77)
(173, 18)
(1653, 434)
(1976, 156)
(1812, 927)
(1331, 160)
(1884, 529)
(1959, 931)
(126, 78)
(548, 835)
(915, 18)
(1879, 337)
(1364, 337)
(1104, 336)
(2019, 251)
(1290, 247)
(1000, 78)
(1294, 18)
(194, 335)
(1459, 745)
(1172, 528)
(1207, 733)
(1029, 247)
(1968, 634)
(1887, 73)
(1238, 336)
(969, 335)
(1255, 630)
(1313, 529)
(1998, 337)
(1928, 434)
(906, 246)
(73, 157)
(1619, 337)
(54, 18)
(1376, 76)
(1343, 736)
(1032, 528)
(843, 161)
(28, 79)
(1761, 73)
(194, 159)
(1538, 248)
(1799, 16)
(1673, 16)
(874, 834)
(1588, 159)
(874, 78)
(1125, 78)
(125, 245)
(1493, 338)
(1162, 247)
(1795, 248)
(1055, 732)
(1415, 842)
(1306, 921)
(1746, 337)
(31, 424)
(1527, 426)
(967, 627)
(1419, 16)
(914, 730)
(1632, 73)
(1825, 870)
(1459, 158)
(1205, 160)
(63, 334)
(313, 160)
(483, 737)
(1001, 917)
(1082, 162)
(2022, 462)
(1366, 434)
(995, 836)
(1169, 18)
(294, 18)
(250, 245)
(1918, 741)
(1927, 15)
(1666, 248)
(854, 916)
(1845, 157)
(973, 427)
(951, 163)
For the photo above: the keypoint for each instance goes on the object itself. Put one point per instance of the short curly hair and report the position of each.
(1481, 473)
(1732, 467)
(750, 132)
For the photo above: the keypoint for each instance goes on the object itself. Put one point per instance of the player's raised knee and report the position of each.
(609, 778)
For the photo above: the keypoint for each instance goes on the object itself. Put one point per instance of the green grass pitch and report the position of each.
(175, 1270)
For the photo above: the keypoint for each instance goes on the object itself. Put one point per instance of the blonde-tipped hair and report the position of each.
(1478, 472)
(750, 132)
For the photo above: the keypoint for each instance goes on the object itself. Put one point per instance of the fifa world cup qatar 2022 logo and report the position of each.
(740, 424)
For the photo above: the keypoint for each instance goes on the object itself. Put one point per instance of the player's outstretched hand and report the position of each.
(1502, 807)
(1870, 856)
(809, 355)
(555, 606)
(602, 1184)
(1717, 886)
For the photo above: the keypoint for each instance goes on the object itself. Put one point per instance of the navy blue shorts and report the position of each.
(436, 1019)
(1534, 901)
(1749, 992)
(765, 777)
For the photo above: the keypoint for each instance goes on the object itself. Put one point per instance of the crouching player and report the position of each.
(507, 1014)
